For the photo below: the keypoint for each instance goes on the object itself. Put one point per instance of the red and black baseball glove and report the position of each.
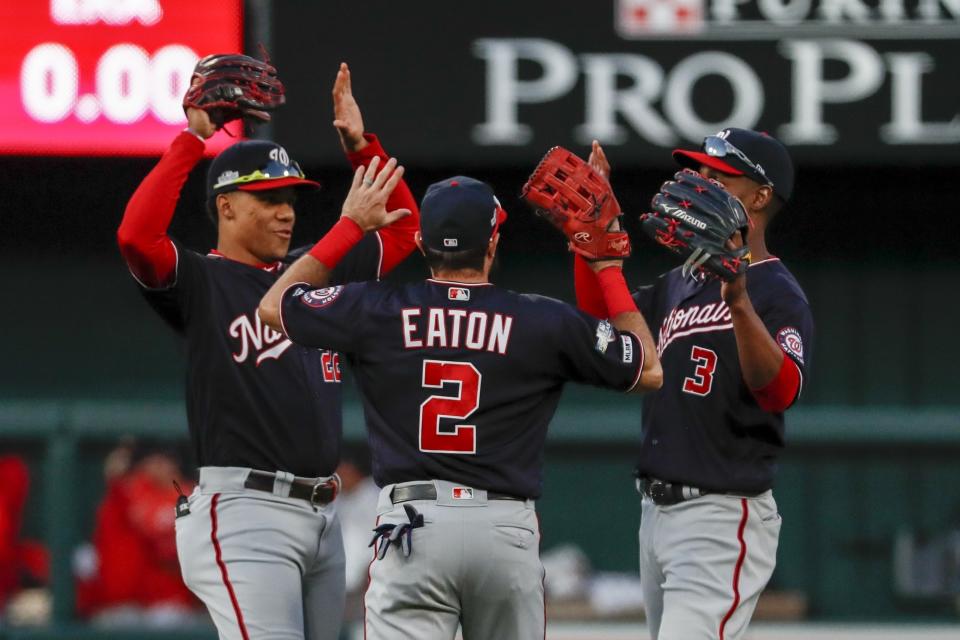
(695, 217)
(234, 86)
(576, 199)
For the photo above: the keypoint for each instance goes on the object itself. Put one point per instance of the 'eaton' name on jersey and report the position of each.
(456, 329)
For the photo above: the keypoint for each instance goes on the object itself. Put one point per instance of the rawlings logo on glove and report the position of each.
(577, 200)
(696, 217)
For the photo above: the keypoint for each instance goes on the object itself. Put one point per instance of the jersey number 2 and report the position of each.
(702, 380)
(463, 438)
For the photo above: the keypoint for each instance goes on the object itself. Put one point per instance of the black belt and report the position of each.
(316, 493)
(665, 493)
(429, 492)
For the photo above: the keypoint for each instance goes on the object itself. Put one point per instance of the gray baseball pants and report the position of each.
(267, 566)
(475, 562)
(704, 563)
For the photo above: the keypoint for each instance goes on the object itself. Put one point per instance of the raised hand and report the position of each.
(598, 160)
(198, 120)
(346, 112)
(366, 203)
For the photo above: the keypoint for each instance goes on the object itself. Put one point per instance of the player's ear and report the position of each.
(224, 207)
(761, 198)
(492, 246)
(419, 240)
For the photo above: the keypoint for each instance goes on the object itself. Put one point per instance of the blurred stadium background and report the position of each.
(864, 92)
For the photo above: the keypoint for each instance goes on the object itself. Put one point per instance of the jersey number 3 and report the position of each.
(702, 380)
(463, 437)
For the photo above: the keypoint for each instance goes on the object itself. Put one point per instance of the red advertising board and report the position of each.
(104, 77)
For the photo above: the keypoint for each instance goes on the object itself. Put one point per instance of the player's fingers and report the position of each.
(338, 84)
(357, 178)
(371, 172)
(394, 180)
(396, 214)
(348, 84)
(384, 174)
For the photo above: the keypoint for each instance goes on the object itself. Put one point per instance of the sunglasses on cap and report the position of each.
(272, 170)
(719, 148)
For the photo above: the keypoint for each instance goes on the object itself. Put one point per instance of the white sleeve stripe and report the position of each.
(380, 259)
(176, 265)
(643, 357)
(283, 297)
(800, 376)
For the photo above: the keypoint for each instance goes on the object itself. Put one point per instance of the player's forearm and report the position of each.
(651, 373)
(626, 317)
(760, 356)
(142, 235)
(397, 238)
(307, 270)
(587, 289)
(314, 268)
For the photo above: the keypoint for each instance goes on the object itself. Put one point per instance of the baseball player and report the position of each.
(735, 354)
(459, 380)
(258, 540)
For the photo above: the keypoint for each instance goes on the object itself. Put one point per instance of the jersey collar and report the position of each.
(460, 284)
(765, 260)
(263, 266)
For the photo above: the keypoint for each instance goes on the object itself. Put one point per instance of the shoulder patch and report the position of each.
(790, 341)
(321, 297)
(604, 335)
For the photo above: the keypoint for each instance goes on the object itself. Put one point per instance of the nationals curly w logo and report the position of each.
(256, 338)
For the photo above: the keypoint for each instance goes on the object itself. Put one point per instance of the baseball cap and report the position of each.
(255, 165)
(458, 214)
(742, 152)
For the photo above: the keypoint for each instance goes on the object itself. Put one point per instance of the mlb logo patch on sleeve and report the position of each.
(321, 297)
(462, 493)
(458, 293)
(790, 341)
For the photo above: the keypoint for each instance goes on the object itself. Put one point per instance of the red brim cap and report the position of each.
(279, 183)
(695, 159)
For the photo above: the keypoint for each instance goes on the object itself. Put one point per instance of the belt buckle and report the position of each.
(315, 498)
(659, 492)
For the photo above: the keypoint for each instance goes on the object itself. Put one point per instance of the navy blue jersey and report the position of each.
(704, 427)
(254, 399)
(459, 382)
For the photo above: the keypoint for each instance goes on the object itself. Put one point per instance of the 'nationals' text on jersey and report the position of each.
(448, 370)
(704, 423)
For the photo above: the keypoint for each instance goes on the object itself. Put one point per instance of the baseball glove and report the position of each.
(234, 86)
(576, 199)
(695, 217)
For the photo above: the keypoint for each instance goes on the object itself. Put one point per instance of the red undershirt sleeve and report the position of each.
(589, 296)
(142, 235)
(782, 391)
(398, 238)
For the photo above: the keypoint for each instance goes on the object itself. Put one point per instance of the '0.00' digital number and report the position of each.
(129, 82)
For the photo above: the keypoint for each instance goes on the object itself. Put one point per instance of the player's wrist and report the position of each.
(600, 265)
(337, 242)
(617, 296)
(740, 304)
